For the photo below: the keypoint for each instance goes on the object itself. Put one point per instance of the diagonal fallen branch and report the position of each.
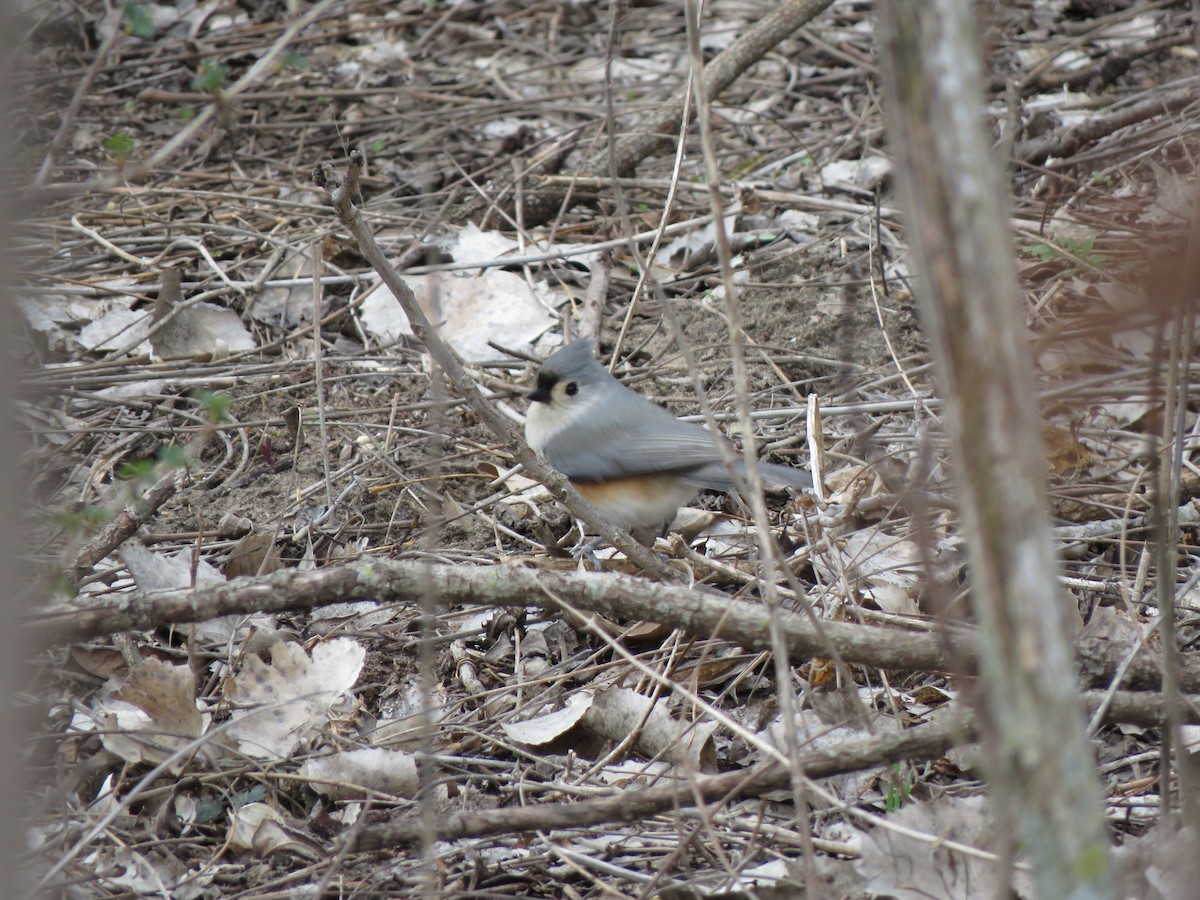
(922, 742)
(1063, 144)
(540, 204)
(952, 727)
(342, 191)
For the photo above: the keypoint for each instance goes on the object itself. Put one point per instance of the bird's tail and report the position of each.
(716, 477)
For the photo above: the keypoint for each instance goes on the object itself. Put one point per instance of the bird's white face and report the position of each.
(557, 405)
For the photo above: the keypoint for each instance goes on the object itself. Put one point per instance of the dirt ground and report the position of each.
(183, 138)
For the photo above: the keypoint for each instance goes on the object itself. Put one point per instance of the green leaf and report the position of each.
(59, 585)
(215, 405)
(138, 21)
(210, 806)
(211, 77)
(1080, 248)
(136, 471)
(119, 145)
(1044, 252)
(173, 457)
(95, 515)
(84, 519)
(899, 790)
(294, 60)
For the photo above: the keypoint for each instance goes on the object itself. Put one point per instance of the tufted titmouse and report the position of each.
(628, 457)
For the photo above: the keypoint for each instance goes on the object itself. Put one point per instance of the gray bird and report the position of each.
(628, 457)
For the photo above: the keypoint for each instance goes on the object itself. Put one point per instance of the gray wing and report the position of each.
(658, 447)
(636, 437)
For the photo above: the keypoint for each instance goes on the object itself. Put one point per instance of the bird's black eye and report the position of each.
(572, 389)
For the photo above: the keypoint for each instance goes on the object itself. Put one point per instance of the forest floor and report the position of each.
(183, 432)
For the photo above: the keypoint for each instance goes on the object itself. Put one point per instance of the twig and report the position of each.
(768, 550)
(1062, 145)
(617, 596)
(318, 371)
(719, 74)
(263, 66)
(67, 124)
(613, 595)
(136, 514)
(342, 192)
(923, 742)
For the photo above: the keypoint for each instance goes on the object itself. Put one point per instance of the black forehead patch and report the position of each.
(546, 380)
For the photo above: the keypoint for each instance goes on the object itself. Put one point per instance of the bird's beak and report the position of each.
(538, 395)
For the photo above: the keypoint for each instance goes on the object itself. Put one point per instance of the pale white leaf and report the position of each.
(544, 729)
(355, 773)
(291, 698)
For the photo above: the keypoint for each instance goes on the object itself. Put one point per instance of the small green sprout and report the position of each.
(211, 77)
(138, 21)
(119, 146)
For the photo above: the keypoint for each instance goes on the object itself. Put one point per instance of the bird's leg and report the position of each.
(586, 549)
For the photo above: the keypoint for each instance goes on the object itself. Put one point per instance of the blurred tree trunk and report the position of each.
(1037, 756)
